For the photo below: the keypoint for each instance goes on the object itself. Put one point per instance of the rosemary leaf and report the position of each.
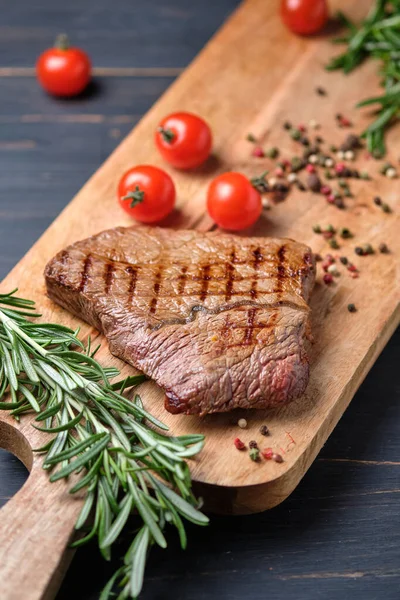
(139, 562)
(378, 37)
(119, 523)
(82, 460)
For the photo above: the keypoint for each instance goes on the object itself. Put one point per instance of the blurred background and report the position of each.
(49, 147)
(326, 541)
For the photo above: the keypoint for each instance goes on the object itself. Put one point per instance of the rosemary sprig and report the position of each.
(377, 37)
(124, 463)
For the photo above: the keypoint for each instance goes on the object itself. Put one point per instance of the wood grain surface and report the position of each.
(241, 157)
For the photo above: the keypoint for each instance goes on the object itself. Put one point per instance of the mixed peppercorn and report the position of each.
(327, 173)
(318, 165)
(255, 453)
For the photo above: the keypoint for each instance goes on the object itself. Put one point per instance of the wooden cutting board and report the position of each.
(251, 77)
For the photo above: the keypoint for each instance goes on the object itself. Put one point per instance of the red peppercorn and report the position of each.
(328, 261)
(258, 151)
(327, 235)
(267, 453)
(279, 172)
(325, 265)
(310, 168)
(301, 127)
(327, 278)
(340, 167)
(354, 275)
(331, 198)
(239, 444)
(286, 163)
(344, 122)
(326, 190)
(352, 268)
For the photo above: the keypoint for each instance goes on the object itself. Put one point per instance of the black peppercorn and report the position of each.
(345, 233)
(339, 202)
(351, 308)
(314, 182)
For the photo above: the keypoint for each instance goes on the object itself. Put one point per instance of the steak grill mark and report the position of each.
(258, 259)
(132, 283)
(281, 270)
(248, 332)
(156, 289)
(204, 278)
(63, 260)
(85, 273)
(229, 273)
(182, 280)
(108, 276)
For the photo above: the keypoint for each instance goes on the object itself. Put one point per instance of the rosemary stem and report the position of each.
(11, 325)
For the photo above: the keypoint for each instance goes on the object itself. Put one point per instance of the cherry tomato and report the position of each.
(62, 70)
(146, 193)
(304, 16)
(232, 202)
(184, 140)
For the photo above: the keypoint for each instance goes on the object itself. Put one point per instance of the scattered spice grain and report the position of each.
(314, 182)
(258, 152)
(277, 458)
(267, 453)
(255, 454)
(239, 444)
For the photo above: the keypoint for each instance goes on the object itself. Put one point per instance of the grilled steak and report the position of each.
(219, 321)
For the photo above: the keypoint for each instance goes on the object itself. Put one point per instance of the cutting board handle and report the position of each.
(35, 528)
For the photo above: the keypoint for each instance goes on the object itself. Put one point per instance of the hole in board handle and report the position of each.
(13, 475)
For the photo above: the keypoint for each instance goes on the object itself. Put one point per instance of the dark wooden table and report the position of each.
(338, 535)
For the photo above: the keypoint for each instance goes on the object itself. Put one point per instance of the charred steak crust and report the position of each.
(217, 320)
